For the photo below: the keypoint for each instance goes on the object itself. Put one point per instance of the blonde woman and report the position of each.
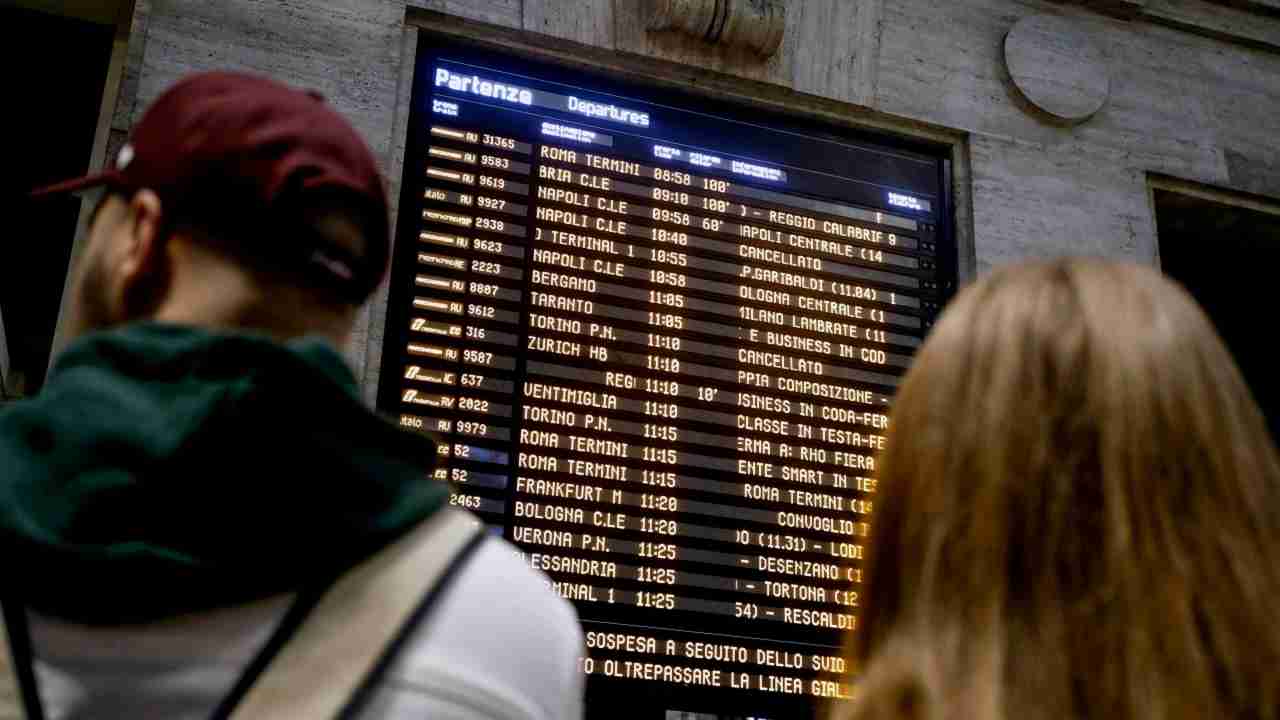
(1079, 514)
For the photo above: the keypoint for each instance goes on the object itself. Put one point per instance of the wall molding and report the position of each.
(1213, 193)
(757, 25)
(1250, 23)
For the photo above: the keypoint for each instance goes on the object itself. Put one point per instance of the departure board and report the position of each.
(656, 337)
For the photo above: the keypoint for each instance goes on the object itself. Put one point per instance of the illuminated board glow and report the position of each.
(905, 201)
(484, 87)
(568, 132)
(444, 107)
(608, 111)
(658, 347)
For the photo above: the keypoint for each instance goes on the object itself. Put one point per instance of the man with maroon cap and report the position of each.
(198, 471)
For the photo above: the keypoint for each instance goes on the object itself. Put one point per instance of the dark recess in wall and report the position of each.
(56, 70)
(1227, 256)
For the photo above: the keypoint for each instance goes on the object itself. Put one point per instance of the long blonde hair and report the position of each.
(1079, 513)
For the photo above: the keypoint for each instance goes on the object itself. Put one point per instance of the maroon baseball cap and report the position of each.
(252, 150)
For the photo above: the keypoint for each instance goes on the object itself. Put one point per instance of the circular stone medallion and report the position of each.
(1056, 67)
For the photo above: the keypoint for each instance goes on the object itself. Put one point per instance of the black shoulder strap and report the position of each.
(288, 625)
(22, 655)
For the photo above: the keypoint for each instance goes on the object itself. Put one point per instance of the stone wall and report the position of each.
(1191, 96)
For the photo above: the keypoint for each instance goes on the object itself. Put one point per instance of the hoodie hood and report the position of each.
(169, 469)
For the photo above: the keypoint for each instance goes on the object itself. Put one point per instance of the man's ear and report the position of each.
(142, 264)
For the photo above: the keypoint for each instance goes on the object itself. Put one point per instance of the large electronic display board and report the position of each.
(657, 336)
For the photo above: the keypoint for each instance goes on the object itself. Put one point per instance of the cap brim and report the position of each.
(83, 183)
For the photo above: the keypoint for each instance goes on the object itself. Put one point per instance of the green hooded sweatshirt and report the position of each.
(168, 469)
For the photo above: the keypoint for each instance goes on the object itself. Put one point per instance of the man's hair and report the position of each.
(1078, 513)
(283, 246)
(286, 262)
(277, 249)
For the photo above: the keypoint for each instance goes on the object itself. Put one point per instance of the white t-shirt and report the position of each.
(498, 643)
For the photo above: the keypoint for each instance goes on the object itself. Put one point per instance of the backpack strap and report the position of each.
(337, 654)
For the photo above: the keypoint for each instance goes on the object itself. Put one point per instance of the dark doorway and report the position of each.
(1227, 257)
(57, 70)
